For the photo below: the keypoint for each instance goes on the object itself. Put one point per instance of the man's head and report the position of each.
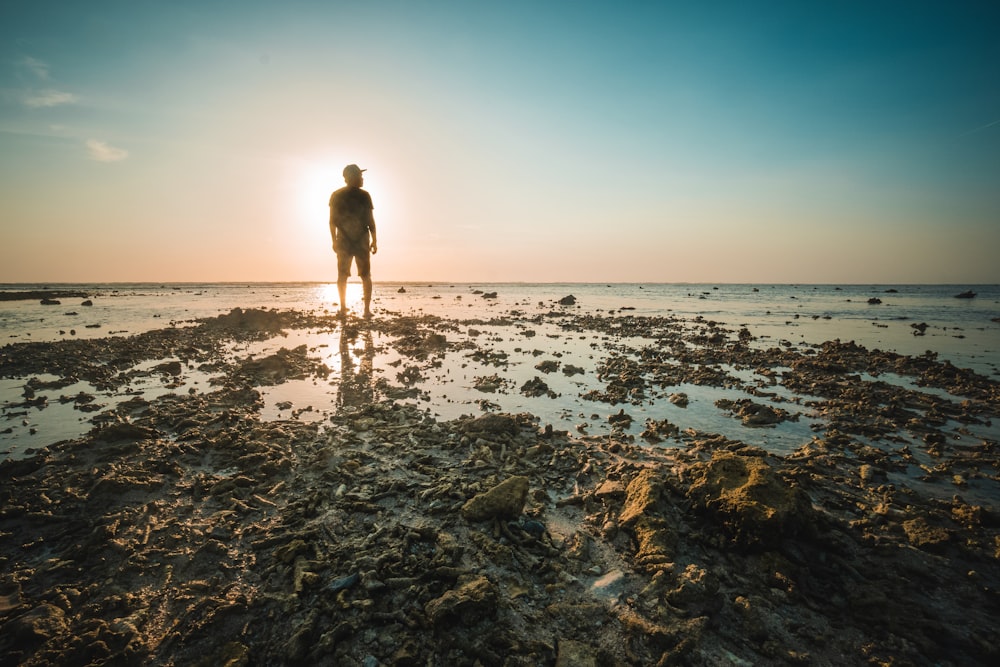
(353, 175)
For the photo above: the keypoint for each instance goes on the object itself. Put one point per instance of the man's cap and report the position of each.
(352, 169)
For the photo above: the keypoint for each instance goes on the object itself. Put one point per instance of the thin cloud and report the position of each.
(104, 152)
(48, 98)
(980, 128)
(37, 67)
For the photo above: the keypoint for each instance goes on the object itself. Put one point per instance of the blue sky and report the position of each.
(556, 141)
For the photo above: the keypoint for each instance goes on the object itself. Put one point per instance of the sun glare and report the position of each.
(328, 296)
(314, 184)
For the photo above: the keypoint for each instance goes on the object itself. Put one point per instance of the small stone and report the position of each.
(505, 500)
(467, 604)
(679, 399)
(611, 488)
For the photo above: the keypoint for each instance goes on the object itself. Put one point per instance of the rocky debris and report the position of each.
(490, 383)
(255, 320)
(659, 430)
(281, 366)
(187, 530)
(621, 419)
(536, 387)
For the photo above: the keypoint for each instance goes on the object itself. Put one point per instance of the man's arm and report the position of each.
(371, 228)
(333, 228)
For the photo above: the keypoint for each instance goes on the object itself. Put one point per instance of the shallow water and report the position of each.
(500, 337)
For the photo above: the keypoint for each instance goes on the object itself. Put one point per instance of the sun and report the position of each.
(314, 183)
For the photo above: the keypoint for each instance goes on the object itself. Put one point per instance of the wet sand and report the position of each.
(188, 530)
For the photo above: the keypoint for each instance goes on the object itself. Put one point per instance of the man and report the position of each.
(352, 227)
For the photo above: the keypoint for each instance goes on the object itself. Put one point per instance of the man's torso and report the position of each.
(352, 209)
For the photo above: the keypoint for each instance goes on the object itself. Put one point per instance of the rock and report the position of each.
(468, 604)
(922, 535)
(610, 489)
(870, 474)
(657, 431)
(657, 540)
(44, 622)
(505, 501)
(495, 424)
(50, 302)
(401, 290)
(568, 300)
(753, 414)
(575, 654)
(536, 387)
(547, 366)
(753, 503)
(434, 341)
(169, 368)
(344, 582)
(88, 302)
(644, 506)
(679, 399)
(610, 584)
(621, 418)
(697, 591)
(642, 496)
(120, 431)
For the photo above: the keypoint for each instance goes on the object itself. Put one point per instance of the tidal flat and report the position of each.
(272, 487)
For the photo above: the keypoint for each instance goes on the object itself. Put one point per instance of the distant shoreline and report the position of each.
(34, 295)
(12, 287)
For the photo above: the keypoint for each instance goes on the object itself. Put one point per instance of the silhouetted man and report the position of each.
(352, 227)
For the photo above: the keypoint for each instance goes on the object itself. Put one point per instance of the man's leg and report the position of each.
(343, 272)
(367, 284)
(365, 271)
(342, 290)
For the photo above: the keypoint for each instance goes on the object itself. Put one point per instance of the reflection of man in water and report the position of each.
(351, 224)
(356, 386)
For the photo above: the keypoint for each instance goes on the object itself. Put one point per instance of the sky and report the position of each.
(729, 142)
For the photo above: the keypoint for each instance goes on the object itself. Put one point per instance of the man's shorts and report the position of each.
(363, 260)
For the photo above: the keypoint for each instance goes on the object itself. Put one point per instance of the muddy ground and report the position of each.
(186, 530)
